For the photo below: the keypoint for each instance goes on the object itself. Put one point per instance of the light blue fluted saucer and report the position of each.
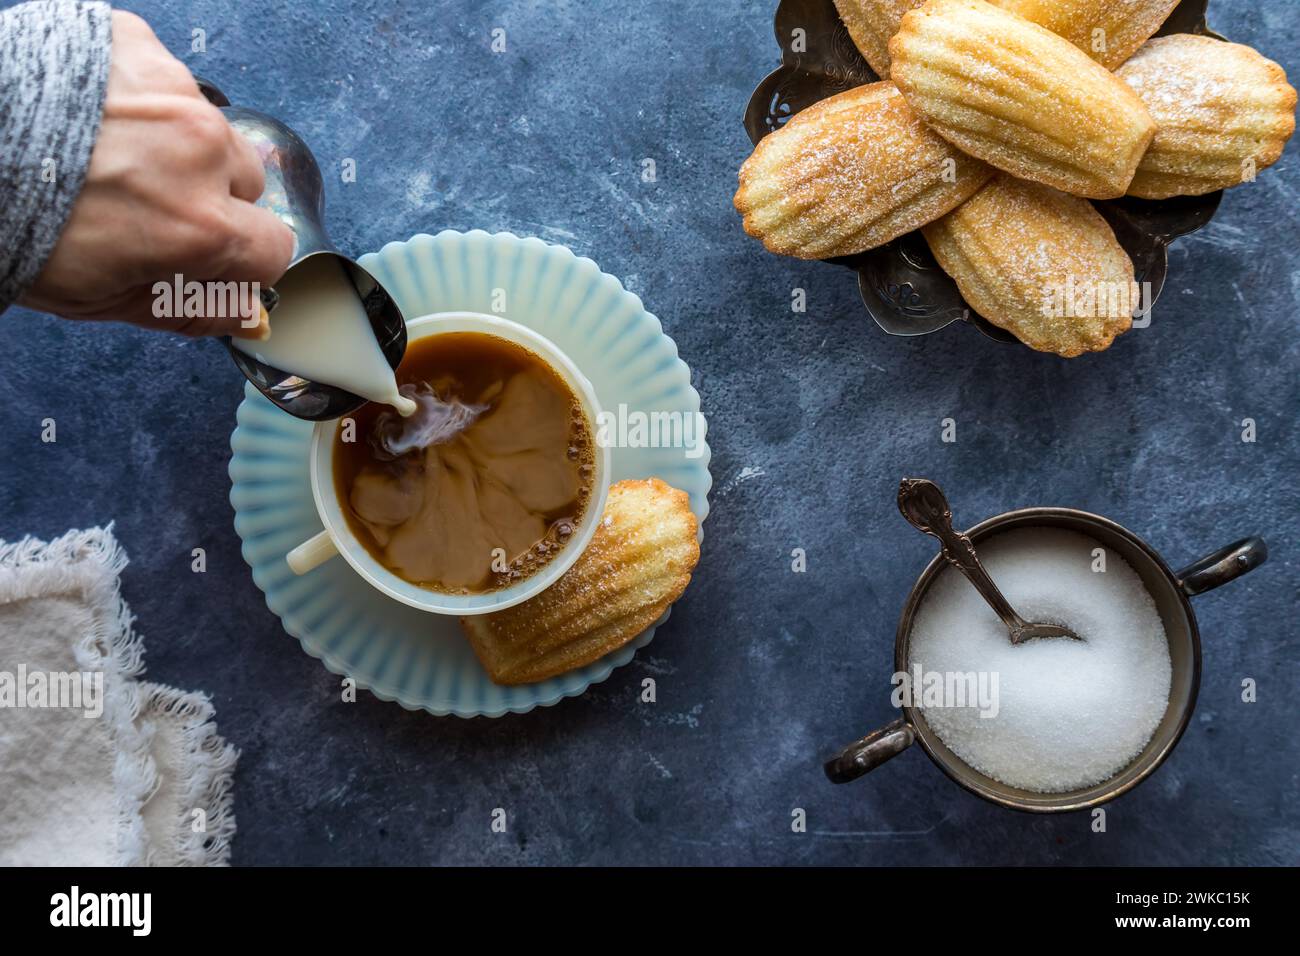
(418, 659)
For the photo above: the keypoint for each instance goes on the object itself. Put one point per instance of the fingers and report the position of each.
(262, 250)
(230, 256)
(252, 322)
(194, 309)
(247, 178)
(263, 245)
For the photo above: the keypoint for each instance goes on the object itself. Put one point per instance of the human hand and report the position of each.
(170, 190)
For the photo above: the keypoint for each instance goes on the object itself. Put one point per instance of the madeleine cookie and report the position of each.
(1019, 97)
(1107, 31)
(872, 23)
(1039, 263)
(639, 562)
(851, 173)
(1224, 111)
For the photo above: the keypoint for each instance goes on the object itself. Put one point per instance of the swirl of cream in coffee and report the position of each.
(484, 483)
(434, 421)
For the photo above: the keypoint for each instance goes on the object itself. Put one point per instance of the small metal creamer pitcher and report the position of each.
(295, 193)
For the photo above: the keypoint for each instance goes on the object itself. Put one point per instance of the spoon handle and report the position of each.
(926, 508)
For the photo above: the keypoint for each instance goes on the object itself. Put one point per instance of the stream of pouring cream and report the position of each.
(320, 331)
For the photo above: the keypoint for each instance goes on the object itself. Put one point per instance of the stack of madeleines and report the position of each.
(997, 122)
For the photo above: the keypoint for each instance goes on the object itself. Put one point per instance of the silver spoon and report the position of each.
(925, 507)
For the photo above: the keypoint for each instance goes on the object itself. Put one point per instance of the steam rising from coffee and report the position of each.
(434, 421)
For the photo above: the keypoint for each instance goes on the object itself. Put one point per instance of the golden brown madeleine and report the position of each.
(1019, 97)
(1108, 31)
(1039, 263)
(872, 23)
(639, 562)
(850, 173)
(1224, 113)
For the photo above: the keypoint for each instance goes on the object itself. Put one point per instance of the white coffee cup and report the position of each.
(337, 538)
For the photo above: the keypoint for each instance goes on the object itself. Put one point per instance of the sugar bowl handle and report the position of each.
(1226, 564)
(863, 756)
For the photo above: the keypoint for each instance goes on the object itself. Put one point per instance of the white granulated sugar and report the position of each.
(1070, 714)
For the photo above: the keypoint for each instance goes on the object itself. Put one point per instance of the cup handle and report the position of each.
(1226, 564)
(863, 756)
(312, 553)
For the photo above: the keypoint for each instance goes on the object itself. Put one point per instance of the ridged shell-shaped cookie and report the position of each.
(638, 563)
(1039, 263)
(1107, 31)
(872, 23)
(1019, 97)
(1224, 113)
(850, 173)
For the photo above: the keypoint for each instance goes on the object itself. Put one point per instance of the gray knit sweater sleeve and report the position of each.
(54, 58)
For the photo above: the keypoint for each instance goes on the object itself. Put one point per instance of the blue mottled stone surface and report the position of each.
(813, 419)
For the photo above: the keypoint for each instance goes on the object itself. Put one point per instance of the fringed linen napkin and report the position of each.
(97, 768)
